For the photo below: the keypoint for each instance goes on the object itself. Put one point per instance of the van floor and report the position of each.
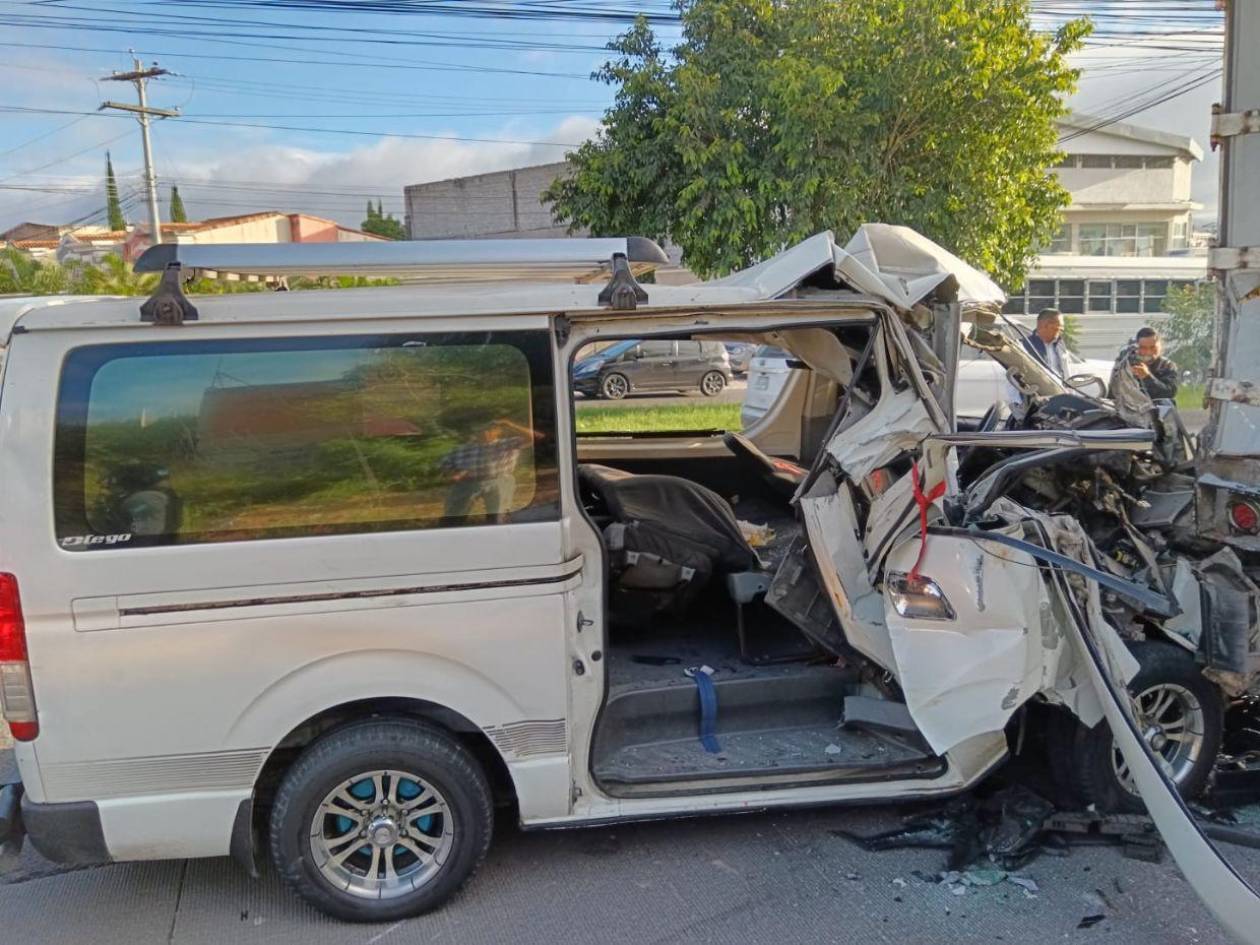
(774, 721)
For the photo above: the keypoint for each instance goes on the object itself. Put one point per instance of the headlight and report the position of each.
(919, 597)
(585, 370)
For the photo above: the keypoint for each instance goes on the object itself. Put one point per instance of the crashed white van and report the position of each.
(331, 574)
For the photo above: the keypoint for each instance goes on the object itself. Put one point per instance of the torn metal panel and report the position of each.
(1140, 594)
(1186, 628)
(1231, 616)
(831, 524)
(821, 350)
(896, 425)
(1164, 502)
(905, 267)
(965, 676)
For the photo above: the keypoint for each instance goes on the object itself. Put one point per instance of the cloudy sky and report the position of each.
(284, 107)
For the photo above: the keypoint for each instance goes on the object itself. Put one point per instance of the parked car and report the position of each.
(981, 381)
(740, 353)
(638, 366)
(331, 575)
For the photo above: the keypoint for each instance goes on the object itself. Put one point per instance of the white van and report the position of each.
(330, 575)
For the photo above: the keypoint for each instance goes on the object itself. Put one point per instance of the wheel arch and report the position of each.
(252, 818)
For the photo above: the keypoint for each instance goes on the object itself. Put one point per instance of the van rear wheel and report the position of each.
(381, 820)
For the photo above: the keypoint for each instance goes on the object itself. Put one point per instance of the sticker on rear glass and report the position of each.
(83, 541)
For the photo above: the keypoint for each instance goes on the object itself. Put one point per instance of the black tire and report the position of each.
(343, 754)
(1093, 776)
(713, 383)
(614, 387)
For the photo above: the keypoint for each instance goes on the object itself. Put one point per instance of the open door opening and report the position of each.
(711, 683)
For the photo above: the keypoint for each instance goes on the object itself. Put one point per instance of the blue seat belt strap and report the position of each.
(707, 692)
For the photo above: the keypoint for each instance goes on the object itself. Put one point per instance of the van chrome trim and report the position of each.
(155, 774)
(159, 609)
(530, 737)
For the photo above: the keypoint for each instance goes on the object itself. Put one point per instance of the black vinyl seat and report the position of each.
(665, 536)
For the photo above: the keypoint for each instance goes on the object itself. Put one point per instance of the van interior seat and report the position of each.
(781, 476)
(665, 536)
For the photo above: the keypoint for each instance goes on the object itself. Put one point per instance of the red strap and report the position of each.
(924, 502)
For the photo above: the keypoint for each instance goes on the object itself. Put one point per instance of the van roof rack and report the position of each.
(579, 260)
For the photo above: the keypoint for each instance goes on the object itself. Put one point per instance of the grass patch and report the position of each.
(1190, 397)
(631, 419)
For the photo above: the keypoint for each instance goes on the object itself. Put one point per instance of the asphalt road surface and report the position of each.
(781, 878)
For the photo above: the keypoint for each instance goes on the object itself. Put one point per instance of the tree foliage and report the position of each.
(113, 205)
(21, 274)
(774, 119)
(379, 223)
(1190, 332)
(178, 213)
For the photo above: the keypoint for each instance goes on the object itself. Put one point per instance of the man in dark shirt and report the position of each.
(1156, 374)
(1046, 342)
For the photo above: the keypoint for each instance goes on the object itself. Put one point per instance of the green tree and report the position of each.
(1072, 333)
(24, 275)
(380, 223)
(178, 213)
(114, 276)
(1190, 332)
(774, 119)
(113, 206)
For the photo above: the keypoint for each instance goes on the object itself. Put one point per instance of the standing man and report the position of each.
(1046, 341)
(1155, 373)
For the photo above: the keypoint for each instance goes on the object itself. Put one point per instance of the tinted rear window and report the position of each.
(188, 442)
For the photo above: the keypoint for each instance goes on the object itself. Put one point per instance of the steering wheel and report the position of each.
(1081, 381)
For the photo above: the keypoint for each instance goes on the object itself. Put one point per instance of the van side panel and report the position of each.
(165, 676)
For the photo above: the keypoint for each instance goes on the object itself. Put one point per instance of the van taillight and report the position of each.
(17, 695)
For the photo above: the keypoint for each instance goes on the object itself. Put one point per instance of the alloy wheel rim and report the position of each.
(713, 383)
(1172, 721)
(615, 386)
(382, 834)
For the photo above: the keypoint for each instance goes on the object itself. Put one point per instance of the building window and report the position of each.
(1123, 239)
(1159, 163)
(1071, 296)
(1128, 296)
(1180, 235)
(1153, 292)
(1062, 242)
(1151, 239)
(1040, 295)
(1096, 160)
(1127, 161)
(214, 441)
(1100, 296)
(1014, 305)
(1069, 160)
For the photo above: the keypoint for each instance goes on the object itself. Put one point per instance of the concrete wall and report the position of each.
(274, 229)
(1113, 185)
(503, 205)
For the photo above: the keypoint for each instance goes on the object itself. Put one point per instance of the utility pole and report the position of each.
(1231, 441)
(138, 77)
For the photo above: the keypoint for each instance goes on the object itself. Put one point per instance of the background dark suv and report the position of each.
(626, 367)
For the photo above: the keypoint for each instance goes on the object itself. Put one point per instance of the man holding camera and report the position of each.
(1156, 374)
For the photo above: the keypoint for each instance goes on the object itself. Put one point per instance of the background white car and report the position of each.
(981, 381)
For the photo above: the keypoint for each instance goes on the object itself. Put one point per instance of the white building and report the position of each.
(1126, 237)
